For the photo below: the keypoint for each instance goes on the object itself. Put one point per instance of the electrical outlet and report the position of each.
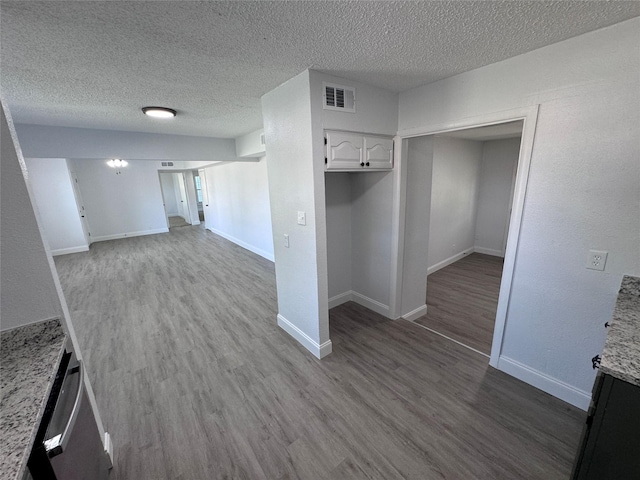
(596, 260)
(302, 218)
(286, 241)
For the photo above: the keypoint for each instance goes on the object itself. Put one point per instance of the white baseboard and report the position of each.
(340, 299)
(413, 315)
(449, 261)
(129, 234)
(360, 299)
(318, 350)
(251, 248)
(488, 251)
(108, 449)
(553, 386)
(371, 304)
(65, 251)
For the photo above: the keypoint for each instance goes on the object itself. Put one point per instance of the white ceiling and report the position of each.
(95, 64)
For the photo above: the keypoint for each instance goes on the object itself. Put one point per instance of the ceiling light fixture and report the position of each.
(159, 112)
(117, 163)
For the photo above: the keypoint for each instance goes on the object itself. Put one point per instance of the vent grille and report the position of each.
(338, 97)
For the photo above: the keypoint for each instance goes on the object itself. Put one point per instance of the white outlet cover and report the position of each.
(302, 218)
(597, 259)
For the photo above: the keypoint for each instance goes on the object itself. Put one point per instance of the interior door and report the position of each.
(80, 204)
(184, 203)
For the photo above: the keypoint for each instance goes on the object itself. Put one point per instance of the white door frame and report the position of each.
(529, 116)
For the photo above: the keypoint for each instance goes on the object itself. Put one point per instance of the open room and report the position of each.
(320, 240)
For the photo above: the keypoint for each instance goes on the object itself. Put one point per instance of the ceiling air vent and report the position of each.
(338, 97)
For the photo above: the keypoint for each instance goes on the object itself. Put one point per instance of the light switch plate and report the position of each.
(597, 260)
(302, 218)
(286, 240)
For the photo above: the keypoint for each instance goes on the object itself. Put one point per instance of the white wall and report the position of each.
(497, 171)
(454, 199)
(28, 293)
(67, 142)
(53, 193)
(583, 192)
(293, 187)
(338, 211)
(371, 233)
(238, 204)
(418, 170)
(250, 145)
(122, 205)
(169, 194)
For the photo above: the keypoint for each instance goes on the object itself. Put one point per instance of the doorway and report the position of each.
(472, 180)
(175, 200)
(199, 185)
(84, 221)
(412, 199)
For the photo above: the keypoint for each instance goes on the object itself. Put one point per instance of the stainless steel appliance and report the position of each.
(68, 444)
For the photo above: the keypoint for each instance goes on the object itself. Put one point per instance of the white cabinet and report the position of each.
(347, 151)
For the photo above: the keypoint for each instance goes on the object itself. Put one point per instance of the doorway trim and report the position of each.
(529, 116)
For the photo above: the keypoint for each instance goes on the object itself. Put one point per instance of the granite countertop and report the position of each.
(621, 354)
(30, 358)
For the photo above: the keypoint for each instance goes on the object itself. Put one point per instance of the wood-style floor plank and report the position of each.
(194, 380)
(462, 299)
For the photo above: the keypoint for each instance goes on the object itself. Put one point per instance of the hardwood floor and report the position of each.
(194, 380)
(177, 221)
(462, 299)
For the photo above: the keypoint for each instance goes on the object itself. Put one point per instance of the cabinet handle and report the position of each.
(607, 325)
(362, 164)
(595, 361)
(367, 164)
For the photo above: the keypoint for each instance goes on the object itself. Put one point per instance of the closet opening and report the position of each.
(468, 184)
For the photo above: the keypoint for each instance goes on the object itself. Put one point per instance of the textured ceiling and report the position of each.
(95, 64)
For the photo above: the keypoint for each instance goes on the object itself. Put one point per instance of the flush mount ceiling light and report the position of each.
(117, 163)
(159, 112)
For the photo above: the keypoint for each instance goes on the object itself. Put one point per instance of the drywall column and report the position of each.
(419, 165)
(28, 292)
(297, 185)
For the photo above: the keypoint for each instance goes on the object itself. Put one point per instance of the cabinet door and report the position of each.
(344, 151)
(378, 152)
